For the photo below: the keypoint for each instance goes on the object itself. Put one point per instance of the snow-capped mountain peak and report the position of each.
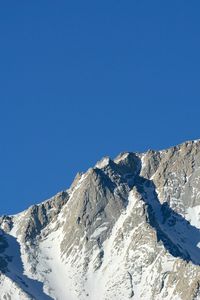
(128, 228)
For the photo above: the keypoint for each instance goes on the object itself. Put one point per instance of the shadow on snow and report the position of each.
(178, 236)
(12, 266)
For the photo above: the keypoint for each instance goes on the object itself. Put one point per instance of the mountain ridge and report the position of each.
(128, 228)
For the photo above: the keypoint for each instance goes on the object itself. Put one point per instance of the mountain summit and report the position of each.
(128, 228)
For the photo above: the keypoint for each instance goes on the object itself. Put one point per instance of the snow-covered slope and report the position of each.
(128, 228)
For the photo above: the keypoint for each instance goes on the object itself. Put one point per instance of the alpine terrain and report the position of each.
(128, 228)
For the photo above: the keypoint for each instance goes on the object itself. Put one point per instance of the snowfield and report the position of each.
(128, 228)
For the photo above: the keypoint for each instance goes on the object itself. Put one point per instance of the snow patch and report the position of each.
(193, 216)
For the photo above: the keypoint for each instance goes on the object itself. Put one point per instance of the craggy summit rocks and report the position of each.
(128, 228)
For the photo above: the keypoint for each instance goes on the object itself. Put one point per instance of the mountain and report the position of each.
(128, 228)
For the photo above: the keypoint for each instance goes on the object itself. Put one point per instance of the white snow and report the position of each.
(122, 269)
(99, 230)
(193, 216)
(113, 258)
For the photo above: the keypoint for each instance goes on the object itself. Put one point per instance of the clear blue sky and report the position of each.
(83, 79)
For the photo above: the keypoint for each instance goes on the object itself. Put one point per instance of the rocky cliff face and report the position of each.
(128, 228)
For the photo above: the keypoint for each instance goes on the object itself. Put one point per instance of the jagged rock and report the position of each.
(128, 228)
